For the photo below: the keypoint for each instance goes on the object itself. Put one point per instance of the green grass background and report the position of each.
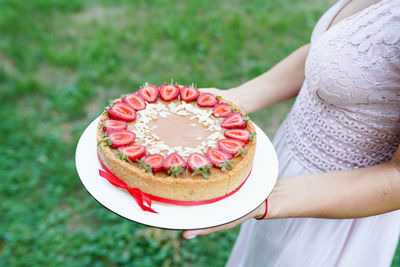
(60, 62)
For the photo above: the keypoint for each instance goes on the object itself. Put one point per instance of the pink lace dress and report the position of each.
(346, 116)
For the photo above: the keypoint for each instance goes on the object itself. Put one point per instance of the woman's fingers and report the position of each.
(232, 95)
(227, 94)
(210, 90)
(189, 234)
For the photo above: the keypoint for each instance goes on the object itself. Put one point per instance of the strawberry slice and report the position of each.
(109, 124)
(149, 93)
(135, 101)
(217, 156)
(119, 138)
(235, 120)
(133, 152)
(189, 94)
(151, 163)
(199, 164)
(221, 110)
(169, 92)
(231, 146)
(240, 134)
(197, 160)
(121, 111)
(207, 100)
(174, 165)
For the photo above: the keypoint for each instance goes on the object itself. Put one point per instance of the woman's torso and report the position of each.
(347, 114)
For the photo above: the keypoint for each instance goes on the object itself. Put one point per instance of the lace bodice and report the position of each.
(347, 113)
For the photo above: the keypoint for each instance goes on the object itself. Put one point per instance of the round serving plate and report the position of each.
(253, 192)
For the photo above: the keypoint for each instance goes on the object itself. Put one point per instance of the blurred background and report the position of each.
(60, 62)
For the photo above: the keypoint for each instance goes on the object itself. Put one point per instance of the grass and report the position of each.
(60, 62)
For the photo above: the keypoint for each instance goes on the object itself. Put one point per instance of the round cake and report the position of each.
(176, 142)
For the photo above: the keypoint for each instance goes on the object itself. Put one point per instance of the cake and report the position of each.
(176, 142)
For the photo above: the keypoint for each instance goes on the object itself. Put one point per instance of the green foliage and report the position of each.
(227, 165)
(175, 171)
(60, 60)
(144, 166)
(204, 171)
(396, 259)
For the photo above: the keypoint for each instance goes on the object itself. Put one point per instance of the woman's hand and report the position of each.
(232, 95)
(257, 213)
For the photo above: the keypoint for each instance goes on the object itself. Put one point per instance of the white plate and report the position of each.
(257, 187)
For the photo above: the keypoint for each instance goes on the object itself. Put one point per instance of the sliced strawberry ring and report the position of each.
(121, 111)
(149, 93)
(207, 100)
(217, 156)
(235, 120)
(169, 92)
(189, 94)
(133, 152)
(151, 163)
(120, 138)
(110, 124)
(199, 164)
(243, 135)
(135, 101)
(221, 110)
(231, 146)
(174, 165)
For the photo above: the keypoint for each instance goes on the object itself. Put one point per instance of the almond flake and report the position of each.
(182, 112)
(213, 136)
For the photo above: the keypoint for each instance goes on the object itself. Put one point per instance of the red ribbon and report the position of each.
(143, 198)
(136, 193)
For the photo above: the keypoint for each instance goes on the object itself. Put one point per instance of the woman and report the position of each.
(337, 146)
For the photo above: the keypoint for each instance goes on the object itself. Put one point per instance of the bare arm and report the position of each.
(280, 83)
(341, 194)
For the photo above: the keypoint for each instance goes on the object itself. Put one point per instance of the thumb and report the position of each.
(209, 90)
(189, 234)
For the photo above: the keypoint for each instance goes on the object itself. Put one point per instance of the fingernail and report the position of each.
(191, 237)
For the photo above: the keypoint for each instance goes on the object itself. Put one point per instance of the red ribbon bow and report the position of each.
(140, 197)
